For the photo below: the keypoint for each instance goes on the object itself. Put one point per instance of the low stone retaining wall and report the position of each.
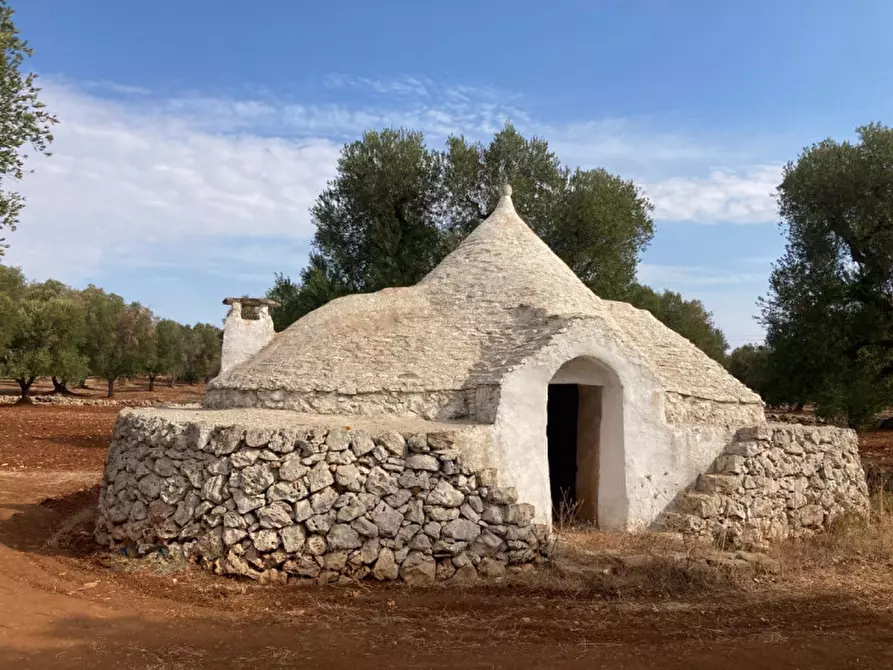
(774, 482)
(310, 501)
(92, 402)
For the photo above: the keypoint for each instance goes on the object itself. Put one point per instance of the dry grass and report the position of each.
(618, 566)
(852, 539)
(73, 531)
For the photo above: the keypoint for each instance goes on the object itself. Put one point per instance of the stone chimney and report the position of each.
(248, 329)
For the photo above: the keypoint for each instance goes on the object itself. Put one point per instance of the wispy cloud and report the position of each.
(666, 276)
(124, 182)
(224, 182)
(402, 86)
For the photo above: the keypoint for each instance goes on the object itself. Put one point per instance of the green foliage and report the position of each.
(165, 349)
(200, 359)
(317, 287)
(65, 339)
(42, 329)
(600, 227)
(689, 318)
(475, 171)
(829, 313)
(50, 330)
(749, 363)
(377, 222)
(118, 335)
(26, 355)
(24, 120)
(396, 208)
(853, 394)
(12, 288)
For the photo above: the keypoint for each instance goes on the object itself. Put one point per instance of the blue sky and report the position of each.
(195, 135)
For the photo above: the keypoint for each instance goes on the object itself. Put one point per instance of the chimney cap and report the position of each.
(251, 302)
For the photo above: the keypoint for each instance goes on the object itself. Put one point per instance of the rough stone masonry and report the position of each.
(310, 502)
(773, 482)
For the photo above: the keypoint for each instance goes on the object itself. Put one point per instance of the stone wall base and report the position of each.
(773, 482)
(318, 502)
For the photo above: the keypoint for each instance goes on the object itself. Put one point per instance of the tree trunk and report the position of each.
(25, 386)
(151, 383)
(60, 386)
(111, 388)
(170, 381)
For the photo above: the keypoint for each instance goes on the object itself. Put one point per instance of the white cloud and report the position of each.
(123, 182)
(224, 183)
(743, 196)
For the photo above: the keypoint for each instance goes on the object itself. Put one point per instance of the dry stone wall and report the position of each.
(773, 482)
(310, 502)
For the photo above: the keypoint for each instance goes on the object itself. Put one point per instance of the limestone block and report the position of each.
(342, 536)
(812, 515)
(319, 477)
(265, 540)
(731, 464)
(386, 567)
(502, 496)
(702, 505)
(422, 462)
(418, 568)
(387, 519)
(381, 483)
(491, 569)
(365, 527)
(361, 443)
(725, 484)
(392, 442)
(321, 523)
(248, 503)
(275, 515)
(256, 479)
(445, 495)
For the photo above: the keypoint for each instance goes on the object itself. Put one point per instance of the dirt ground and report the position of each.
(64, 603)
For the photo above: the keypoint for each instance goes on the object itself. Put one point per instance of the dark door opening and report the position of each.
(562, 412)
(573, 433)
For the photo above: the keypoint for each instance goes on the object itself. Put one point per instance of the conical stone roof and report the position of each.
(498, 298)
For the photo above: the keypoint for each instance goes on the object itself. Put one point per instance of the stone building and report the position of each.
(432, 429)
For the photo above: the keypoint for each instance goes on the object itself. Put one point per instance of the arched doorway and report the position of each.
(584, 437)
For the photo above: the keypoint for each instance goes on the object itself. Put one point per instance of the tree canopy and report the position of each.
(689, 318)
(829, 312)
(396, 207)
(749, 363)
(24, 120)
(50, 330)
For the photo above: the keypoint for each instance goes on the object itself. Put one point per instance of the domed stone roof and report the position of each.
(497, 299)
